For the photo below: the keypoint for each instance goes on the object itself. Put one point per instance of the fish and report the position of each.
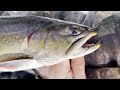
(109, 35)
(104, 73)
(28, 42)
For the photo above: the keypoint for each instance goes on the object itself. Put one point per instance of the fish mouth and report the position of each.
(91, 42)
(87, 43)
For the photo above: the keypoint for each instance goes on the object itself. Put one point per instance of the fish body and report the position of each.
(104, 73)
(109, 52)
(28, 42)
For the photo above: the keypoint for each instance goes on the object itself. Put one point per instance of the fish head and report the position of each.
(62, 41)
(76, 39)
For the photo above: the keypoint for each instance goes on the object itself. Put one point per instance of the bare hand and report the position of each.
(65, 70)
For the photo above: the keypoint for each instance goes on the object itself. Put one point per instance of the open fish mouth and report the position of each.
(85, 44)
(91, 42)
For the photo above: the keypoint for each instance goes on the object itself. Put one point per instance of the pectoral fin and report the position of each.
(13, 56)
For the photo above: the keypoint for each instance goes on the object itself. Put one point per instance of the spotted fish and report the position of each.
(28, 42)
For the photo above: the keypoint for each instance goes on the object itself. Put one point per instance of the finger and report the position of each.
(78, 68)
(57, 71)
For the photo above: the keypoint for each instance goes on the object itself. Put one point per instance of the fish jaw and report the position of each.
(83, 51)
(79, 43)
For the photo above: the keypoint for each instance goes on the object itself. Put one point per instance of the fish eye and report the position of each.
(74, 33)
(75, 30)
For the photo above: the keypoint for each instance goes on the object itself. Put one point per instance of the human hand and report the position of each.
(65, 70)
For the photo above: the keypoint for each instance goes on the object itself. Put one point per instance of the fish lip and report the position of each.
(85, 51)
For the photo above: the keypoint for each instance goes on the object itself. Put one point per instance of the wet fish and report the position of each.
(109, 35)
(104, 73)
(28, 42)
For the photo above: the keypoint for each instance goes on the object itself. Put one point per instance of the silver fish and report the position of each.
(28, 42)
